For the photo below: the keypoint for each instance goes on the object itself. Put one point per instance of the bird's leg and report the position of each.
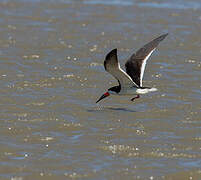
(138, 96)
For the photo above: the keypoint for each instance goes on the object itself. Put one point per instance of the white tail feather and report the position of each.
(144, 91)
(153, 89)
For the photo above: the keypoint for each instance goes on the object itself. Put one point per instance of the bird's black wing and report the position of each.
(135, 66)
(112, 66)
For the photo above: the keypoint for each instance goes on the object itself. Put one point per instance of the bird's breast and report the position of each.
(135, 91)
(128, 91)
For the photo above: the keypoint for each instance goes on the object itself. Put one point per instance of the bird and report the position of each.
(130, 82)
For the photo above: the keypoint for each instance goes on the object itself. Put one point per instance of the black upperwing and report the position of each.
(112, 66)
(135, 66)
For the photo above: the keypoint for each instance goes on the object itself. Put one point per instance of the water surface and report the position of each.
(51, 74)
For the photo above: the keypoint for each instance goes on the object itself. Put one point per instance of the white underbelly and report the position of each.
(135, 91)
(130, 91)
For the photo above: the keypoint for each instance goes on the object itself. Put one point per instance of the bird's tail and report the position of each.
(145, 90)
(152, 89)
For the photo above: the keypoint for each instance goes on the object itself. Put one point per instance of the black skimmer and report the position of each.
(130, 82)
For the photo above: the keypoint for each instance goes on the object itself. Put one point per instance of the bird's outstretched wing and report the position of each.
(135, 66)
(112, 66)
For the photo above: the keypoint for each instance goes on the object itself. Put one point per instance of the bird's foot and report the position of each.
(138, 96)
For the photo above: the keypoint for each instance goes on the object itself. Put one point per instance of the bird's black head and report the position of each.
(112, 90)
(115, 89)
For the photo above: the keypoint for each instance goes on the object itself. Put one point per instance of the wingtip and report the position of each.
(114, 51)
(111, 53)
(163, 36)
